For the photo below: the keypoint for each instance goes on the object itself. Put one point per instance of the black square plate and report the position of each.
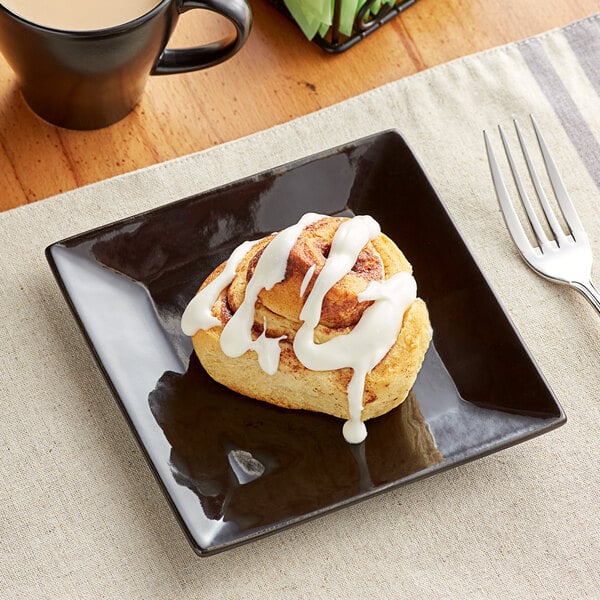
(235, 469)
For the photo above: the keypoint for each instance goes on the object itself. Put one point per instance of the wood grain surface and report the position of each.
(277, 76)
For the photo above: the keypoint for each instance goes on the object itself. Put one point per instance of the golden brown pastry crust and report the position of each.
(293, 385)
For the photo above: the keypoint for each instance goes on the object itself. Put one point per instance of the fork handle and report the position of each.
(589, 291)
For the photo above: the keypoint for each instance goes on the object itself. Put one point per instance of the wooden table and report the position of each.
(276, 77)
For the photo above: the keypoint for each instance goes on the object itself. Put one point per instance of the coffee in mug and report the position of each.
(82, 15)
(83, 64)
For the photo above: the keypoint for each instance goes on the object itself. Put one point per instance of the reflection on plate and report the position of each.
(251, 464)
(235, 469)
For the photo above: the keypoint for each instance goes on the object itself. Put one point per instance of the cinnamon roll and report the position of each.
(320, 316)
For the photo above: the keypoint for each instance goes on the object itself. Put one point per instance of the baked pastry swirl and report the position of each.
(321, 316)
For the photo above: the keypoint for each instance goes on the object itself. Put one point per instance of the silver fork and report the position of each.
(568, 257)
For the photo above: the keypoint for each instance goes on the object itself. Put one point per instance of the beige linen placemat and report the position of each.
(80, 513)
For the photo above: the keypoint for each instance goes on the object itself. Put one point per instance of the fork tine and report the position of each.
(557, 230)
(510, 216)
(531, 215)
(562, 197)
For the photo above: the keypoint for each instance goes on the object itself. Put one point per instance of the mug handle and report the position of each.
(201, 57)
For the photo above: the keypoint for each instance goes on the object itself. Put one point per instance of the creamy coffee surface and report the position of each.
(79, 15)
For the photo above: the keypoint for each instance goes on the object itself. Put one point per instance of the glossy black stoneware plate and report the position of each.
(235, 469)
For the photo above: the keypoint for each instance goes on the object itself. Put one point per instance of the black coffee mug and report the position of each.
(90, 79)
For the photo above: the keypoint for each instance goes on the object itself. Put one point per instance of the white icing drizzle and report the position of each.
(372, 337)
(198, 313)
(364, 346)
(236, 337)
(360, 350)
(307, 279)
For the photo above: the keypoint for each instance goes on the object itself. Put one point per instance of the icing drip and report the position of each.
(360, 350)
(268, 350)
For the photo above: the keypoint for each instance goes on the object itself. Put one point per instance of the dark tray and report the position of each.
(235, 469)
